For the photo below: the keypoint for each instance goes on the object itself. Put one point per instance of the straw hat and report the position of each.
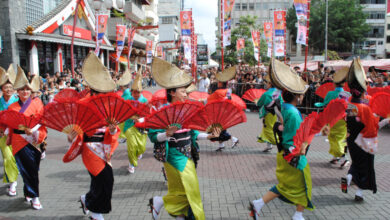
(267, 78)
(226, 74)
(191, 88)
(22, 81)
(283, 77)
(137, 83)
(341, 75)
(125, 79)
(96, 75)
(357, 76)
(7, 76)
(168, 75)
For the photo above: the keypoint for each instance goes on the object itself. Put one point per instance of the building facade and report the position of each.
(375, 39)
(387, 48)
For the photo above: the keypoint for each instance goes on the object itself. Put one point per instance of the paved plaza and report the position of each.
(228, 181)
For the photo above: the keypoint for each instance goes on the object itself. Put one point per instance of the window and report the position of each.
(237, 6)
(166, 20)
(372, 1)
(258, 6)
(251, 6)
(388, 26)
(244, 6)
(376, 32)
(380, 42)
(388, 39)
(375, 15)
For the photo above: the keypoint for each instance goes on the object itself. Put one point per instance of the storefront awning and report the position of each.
(60, 39)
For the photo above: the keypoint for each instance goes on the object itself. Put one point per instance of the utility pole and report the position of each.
(326, 32)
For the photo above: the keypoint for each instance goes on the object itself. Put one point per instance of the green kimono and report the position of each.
(183, 185)
(135, 140)
(267, 134)
(295, 185)
(338, 133)
(11, 171)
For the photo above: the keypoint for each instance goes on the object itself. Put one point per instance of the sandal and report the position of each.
(10, 192)
(83, 207)
(152, 210)
(253, 213)
(36, 206)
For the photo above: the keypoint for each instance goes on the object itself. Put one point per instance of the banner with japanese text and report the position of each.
(120, 39)
(279, 45)
(228, 6)
(280, 22)
(268, 32)
(187, 48)
(185, 22)
(240, 45)
(130, 40)
(301, 12)
(159, 51)
(101, 25)
(149, 51)
(256, 44)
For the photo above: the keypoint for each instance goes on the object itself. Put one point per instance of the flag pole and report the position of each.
(72, 42)
(307, 35)
(222, 19)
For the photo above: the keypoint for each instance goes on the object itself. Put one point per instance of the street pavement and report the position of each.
(228, 180)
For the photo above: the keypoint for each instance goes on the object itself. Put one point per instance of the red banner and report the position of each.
(159, 51)
(130, 40)
(101, 25)
(120, 39)
(280, 22)
(185, 22)
(78, 32)
(240, 44)
(268, 31)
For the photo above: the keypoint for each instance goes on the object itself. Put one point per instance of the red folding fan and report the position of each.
(159, 97)
(333, 112)
(324, 89)
(66, 94)
(112, 107)
(253, 94)
(196, 95)
(304, 135)
(373, 90)
(148, 95)
(142, 109)
(17, 120)
(221, 94)
(68, 115)
(380, 104)
(172, 115)
(84, 93)
(223, 114)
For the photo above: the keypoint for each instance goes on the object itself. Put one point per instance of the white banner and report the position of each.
(187, 48)
(279, 46)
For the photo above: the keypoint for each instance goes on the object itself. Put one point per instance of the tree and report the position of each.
(246, 25)
(346, 24)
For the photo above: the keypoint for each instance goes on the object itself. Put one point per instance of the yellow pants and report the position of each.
(267, 134)
(11, 171)
(122, 134)
(136, 142)
(183, 191)
(337, 138)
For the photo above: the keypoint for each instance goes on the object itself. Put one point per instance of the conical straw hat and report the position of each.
(168, 75)
(96, 75)
(3, 76)
(137, 83)
(191, 88)
(341, 75)
(35, 84)
(357, 76)
(226, 75)
(125, 79)
(21, 79)
(283, 77)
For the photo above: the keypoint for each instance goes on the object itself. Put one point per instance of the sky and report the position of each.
(204, 13)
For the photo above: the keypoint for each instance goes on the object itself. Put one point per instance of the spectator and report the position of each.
(204, 83)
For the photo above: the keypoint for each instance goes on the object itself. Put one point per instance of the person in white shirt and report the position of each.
(204, 83)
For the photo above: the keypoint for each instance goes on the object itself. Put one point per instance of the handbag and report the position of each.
(159, 152)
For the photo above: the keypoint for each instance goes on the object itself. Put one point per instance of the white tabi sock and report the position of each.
(349, 179)
(258, 204)
(359, 192)
(298, 216)
(13, 185)
(221, 145)
(97, 216)
(234, 139)
(269, 146)
(158, 203)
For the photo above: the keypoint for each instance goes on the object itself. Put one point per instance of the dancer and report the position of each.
(294, 180)
(338, 133)
(7, 79)
(135, 137)
(183, 200)
(270, 100)
(362, 140)
(96, 150)
(25, 143)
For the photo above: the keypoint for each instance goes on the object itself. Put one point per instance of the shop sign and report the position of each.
(79, 32)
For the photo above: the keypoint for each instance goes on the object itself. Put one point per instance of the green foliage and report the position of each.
(247, 24)
(333, 55)
(346, 24)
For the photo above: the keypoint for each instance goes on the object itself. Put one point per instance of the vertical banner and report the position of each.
(149, 51)
(159, 51)
(240, 45)
(268, 32)
(187, 48)
(256, 44)
(227, 21)
(130, 40)
(101, 25)
(280, 30)
(301, 11)
(185, 22)
(120, 39)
